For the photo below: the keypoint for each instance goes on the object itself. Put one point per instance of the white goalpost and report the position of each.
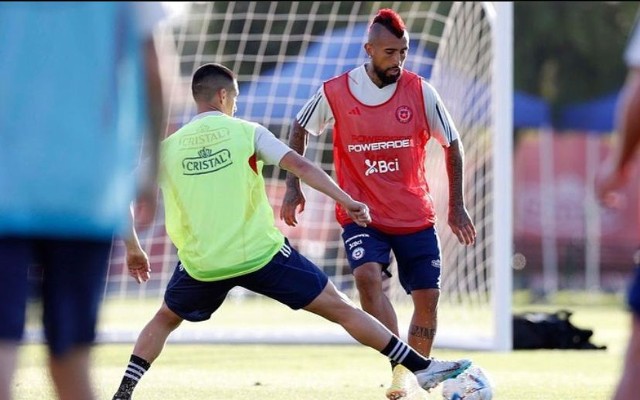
(282, 52)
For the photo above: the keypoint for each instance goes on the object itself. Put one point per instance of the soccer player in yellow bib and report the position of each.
(220, 220)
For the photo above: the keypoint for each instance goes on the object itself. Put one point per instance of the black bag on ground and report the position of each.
(540, 330)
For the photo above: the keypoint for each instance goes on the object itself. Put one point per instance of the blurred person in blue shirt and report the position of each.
(79, 89)
(614, 175)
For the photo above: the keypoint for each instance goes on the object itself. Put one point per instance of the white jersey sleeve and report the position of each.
(442, 127)
(268, 147)
(632, 53)
(316, 115)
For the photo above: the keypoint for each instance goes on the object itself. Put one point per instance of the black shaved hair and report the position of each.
(209, 79)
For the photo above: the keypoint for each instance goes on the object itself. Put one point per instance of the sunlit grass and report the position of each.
(326, 372)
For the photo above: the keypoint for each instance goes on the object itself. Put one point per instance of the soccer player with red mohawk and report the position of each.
(382, 117)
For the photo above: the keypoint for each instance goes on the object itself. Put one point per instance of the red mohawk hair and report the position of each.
(390, 20)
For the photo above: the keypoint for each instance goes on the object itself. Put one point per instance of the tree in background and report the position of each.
(569, 52)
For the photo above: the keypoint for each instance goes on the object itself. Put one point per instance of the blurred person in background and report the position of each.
(80, 88)
(383, 116)
(613, 176)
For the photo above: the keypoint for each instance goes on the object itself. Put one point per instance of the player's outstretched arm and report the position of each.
(294, 200)
(315, 177)
(146, 201)
(458, 218)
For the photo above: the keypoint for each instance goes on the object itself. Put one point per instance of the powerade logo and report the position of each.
(206, 162)
(386, 145)
(381, 166)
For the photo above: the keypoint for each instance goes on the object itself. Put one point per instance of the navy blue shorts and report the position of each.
(633, 292)
(288, 278)
(417, 254)
(68, 276)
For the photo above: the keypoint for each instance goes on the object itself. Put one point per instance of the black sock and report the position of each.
(400, 352)
(136, 368)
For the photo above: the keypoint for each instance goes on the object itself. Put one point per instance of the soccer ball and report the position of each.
(472, 384)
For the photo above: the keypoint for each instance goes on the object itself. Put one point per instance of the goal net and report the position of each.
(282, 52)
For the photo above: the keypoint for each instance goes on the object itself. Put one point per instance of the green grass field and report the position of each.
(326, 372)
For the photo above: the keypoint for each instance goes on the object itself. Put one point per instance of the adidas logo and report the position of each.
(354, 111)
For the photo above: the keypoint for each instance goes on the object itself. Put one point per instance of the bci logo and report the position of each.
(381, 166)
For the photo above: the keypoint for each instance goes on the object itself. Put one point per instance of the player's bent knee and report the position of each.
(167, 317)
